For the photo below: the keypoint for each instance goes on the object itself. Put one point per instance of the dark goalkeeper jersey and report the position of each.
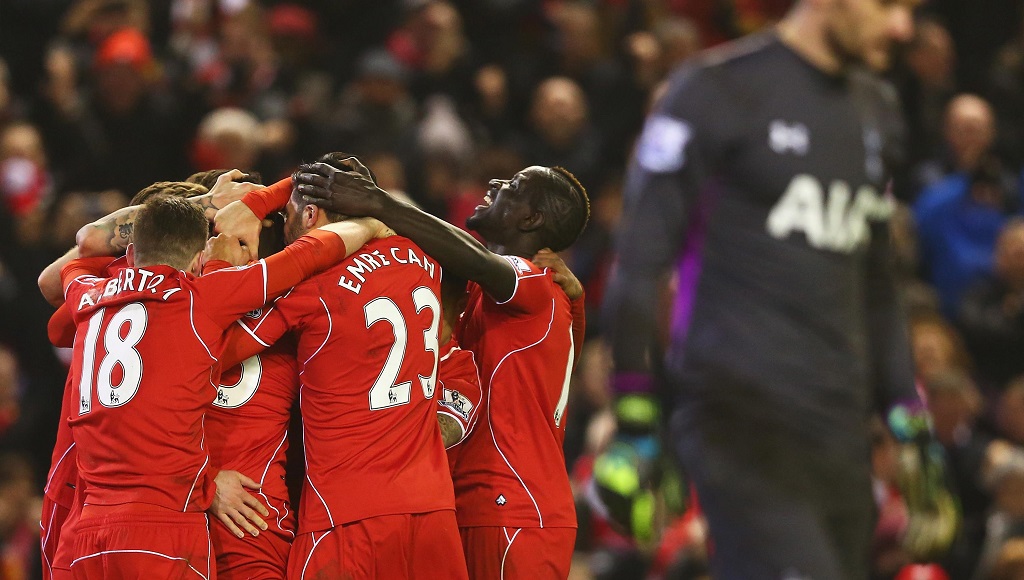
(762, 181)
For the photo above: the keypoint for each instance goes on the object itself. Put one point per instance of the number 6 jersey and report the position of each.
(367, 332)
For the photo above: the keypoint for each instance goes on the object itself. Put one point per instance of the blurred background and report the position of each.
(99, 98)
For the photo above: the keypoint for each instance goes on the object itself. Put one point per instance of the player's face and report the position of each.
(506, 204)
(293, 226)
(865, 30)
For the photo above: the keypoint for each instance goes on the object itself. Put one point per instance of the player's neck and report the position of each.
(803, 31)
(521, 248)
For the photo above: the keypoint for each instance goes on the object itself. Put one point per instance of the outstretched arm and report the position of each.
(353, 193)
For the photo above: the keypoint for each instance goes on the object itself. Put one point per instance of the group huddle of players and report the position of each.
(433, 410)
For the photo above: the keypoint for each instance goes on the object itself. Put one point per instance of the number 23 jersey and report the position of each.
(367, 333)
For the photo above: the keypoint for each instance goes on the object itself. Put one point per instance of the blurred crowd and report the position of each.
(99, 98)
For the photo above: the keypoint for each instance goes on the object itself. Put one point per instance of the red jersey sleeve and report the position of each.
(269, 199)
(459, 392)
(61, 328)
(87, 269)
(254, 332)
(267, 325)
(80, 279)
(579, 326)
(231, 292)
(532, 292)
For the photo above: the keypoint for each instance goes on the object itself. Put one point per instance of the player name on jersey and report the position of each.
(367, 263)
(125, 281)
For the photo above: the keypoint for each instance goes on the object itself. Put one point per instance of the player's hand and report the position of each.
(227, 248)
(236, 508)
(226, 190)
(352, 193)
(236, 219)
(933, 510)
(562, 276)
(347, 162)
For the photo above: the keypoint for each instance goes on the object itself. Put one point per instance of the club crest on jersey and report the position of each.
(788, 137)
(254, 314)
(455, 402)
(838, 222)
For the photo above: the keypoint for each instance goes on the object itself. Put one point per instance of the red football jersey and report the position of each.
(367, 334)
(511, 470)
(144, 377)
(247, 428)
(458, 389)
(60, 482)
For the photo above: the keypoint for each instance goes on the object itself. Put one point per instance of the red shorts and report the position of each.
(512, 553)
(417, 546)
(263, 557)
(50, 523)
(115, 544)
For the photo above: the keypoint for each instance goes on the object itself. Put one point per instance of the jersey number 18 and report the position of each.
(120, 351)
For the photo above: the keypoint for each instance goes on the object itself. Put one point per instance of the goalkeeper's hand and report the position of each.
(932, 507)
(628, 473)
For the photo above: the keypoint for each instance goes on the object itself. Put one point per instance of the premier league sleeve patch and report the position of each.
(456, 403)
(662, 147)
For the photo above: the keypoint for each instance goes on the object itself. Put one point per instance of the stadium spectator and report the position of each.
(227, 137)
(926, 87)
(105, 137)
(992, 311)
(956, 405)
(19, 516)
(937, 347)
(1009, 412)
(960, 216)
(1006, 521)
(561, 132)
(375, 112)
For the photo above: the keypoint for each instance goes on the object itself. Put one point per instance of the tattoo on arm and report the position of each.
(206, 202)
(451, 432)
(121, 231)
(108, 236)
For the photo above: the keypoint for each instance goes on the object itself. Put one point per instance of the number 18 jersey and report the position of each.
(367, 332)
(145, 344)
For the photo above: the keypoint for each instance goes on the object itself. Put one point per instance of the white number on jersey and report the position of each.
(238, 394)
(119, 352)
(563, 399)
(385, 393)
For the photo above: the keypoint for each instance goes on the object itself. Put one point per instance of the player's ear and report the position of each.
(532, 222)
(130, 254)
(310, 215)
(196, 266)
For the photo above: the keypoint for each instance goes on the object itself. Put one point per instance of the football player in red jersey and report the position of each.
(59, 505)
(515, 506)
(378, 500)
(247, 429)
(141, 406)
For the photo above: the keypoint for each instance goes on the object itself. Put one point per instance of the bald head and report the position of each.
(970, 130)
(559, 110)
